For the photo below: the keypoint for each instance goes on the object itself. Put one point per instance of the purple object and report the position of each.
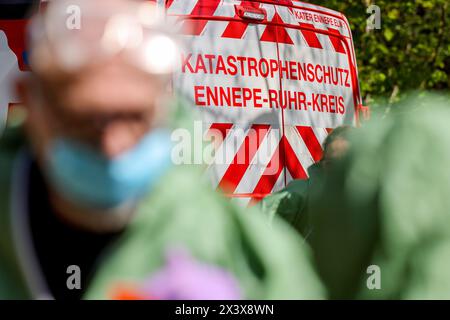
(184, 278)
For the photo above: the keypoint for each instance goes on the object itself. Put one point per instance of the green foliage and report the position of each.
(411, 51)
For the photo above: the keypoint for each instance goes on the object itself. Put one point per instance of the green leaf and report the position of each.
(388, 34)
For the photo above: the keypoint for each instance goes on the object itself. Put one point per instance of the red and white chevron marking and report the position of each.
(204, 12)
(261, 160)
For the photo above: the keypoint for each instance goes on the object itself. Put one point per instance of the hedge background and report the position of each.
(411, 51)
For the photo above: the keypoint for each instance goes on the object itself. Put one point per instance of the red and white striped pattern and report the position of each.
(326, 38)
(261, 159)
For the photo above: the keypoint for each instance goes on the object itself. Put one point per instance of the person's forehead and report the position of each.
(109, 89)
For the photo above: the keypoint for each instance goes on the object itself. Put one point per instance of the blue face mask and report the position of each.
(85, 177)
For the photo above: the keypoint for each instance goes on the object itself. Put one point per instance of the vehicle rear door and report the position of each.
(319, 84)
(227, 73)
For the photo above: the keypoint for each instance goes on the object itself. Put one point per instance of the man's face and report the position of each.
(109, 106)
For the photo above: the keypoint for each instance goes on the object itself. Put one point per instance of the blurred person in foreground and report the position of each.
(88, 186)
(291, 203)
(382, 216)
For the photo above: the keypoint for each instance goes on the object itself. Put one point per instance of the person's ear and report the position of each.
(23, 90)
(29, 94)
(36, 124)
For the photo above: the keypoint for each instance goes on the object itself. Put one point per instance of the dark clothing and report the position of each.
(59, 245)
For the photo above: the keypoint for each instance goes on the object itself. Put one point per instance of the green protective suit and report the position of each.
(291, 203)
(381, 217)
(268, 262)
